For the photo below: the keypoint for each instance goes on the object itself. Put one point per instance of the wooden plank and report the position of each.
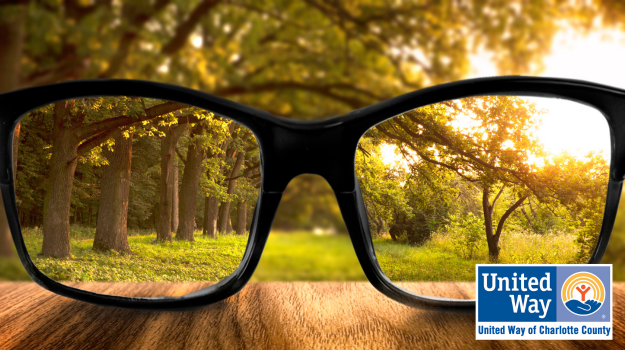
(280, 315)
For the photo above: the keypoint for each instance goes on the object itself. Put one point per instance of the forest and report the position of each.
(308, 60)
(470, 175)
(125, 177)
(116, 164)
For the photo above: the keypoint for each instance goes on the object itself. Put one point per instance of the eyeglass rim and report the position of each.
(608, 100)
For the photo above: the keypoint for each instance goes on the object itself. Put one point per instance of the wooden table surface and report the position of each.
(280, 315)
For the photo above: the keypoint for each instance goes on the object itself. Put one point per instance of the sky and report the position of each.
(597, 57)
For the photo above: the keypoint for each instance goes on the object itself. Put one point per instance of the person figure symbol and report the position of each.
(584, 289)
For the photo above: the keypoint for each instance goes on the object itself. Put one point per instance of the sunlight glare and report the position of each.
(196, 41)
(389, 156)
(593, 57)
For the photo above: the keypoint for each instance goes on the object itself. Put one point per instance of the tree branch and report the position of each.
(498, 194)
(506, 214)
(98, 139)
(527, 217)
(95, 141)
(364, 152)
(444, 141)
(423, 156)
(184, 161)
(93, 129)
(184, 29)
(135, 21)
(249, 174)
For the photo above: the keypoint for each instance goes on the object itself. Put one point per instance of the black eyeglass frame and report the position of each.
(289, 148)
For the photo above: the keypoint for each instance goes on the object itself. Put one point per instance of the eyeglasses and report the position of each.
(135, 181)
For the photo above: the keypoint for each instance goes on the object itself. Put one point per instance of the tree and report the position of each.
(166, 201)
(385, 196)
(241, 217)
(79, 126)
(213, 178)
(305, 59)
(190, 183)
(231, 166)
(110, 233)
(247, 186)
(224, 219)
(488, 142)
(12, 18)
(175, 195)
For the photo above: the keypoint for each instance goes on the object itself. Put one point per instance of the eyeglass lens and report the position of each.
(131, 189)
(489, 179)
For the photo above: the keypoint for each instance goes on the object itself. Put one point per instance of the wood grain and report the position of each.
(288, 315)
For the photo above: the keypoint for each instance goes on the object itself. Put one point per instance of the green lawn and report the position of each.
(11, 269)
(302, 256)
(401, 262)
(292, 256)
(439, 259)
(179, 261)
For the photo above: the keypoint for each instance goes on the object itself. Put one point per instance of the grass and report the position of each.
(401, 262)
(301, 256)
(438, 259)
(292, 256)
(179, 261)
(11, 269)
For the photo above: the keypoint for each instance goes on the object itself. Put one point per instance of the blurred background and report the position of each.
(308, 59)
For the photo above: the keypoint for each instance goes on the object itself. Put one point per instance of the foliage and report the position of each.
(302, 59)
(311, 59)
(36, 143)
(381, 186)
(286, 56)
(439, 259)
(288, 256)
(467, 233)
(178, 261)
(548, 248)
(478, 156)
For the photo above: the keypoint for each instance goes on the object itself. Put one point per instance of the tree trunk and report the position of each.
(493, 237)
(110, 232)
(380, 225)
(168, 153)
(211, 204)
(505, 216)
(493, 245)
(189, 188)
(229, 220)
(56, 203)
(529, 221)
(241, 217)
(211, 212)
(12, 19)
(224, 220)
(175, 198)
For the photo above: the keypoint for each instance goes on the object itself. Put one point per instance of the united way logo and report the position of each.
(583, 293)
(554, 301)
